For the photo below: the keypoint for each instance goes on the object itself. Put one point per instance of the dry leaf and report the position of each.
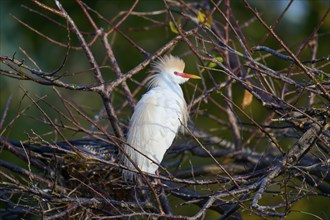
(248, 97)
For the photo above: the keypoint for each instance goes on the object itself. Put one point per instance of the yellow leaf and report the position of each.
(202, 19)
(247, 98)
(173, 27)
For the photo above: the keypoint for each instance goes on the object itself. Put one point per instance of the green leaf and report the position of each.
(213, 64)
(173, 27)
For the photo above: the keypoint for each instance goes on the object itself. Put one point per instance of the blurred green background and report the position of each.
(298, 23)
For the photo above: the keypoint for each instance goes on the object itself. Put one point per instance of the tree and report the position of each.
(257, 143)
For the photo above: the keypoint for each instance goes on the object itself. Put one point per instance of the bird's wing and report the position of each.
(153, 126)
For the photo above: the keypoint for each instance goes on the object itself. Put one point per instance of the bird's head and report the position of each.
(173, 68)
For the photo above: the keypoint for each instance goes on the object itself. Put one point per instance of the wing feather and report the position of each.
(153, 126)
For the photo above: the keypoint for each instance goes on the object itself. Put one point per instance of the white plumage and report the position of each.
(157, 117)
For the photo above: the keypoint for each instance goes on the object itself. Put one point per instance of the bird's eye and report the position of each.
(176, 73)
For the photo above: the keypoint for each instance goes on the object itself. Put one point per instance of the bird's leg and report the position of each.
(162, 195)
(142, 194)
(158, 181)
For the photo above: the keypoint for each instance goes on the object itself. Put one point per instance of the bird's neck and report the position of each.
(165, 83)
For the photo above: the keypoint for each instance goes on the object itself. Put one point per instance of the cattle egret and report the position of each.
(157, 117)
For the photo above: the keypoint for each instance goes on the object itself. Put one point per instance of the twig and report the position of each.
(5, 111)
(326, 94)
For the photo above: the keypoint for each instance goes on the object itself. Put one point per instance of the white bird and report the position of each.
(157, 117)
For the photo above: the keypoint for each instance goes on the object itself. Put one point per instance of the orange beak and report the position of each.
(186, 75)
